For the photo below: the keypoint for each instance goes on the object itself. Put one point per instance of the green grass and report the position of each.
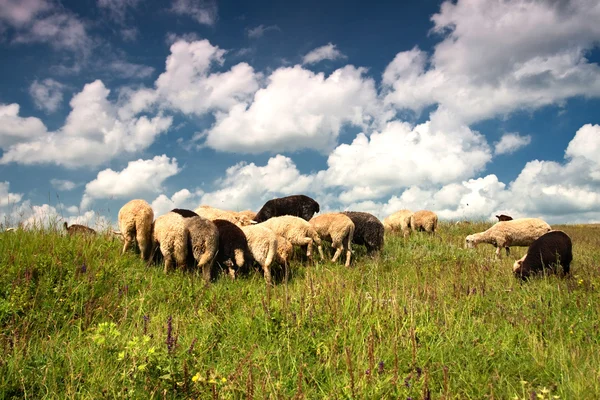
(426, 319)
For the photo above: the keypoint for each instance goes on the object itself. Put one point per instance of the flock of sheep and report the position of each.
(234, 240)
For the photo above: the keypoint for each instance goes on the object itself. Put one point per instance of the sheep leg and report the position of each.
(507, 251)
(339, 248)
(128, 240)
(142, 242)
(498, 254)
(267, 273)
(231, 273)
(308, 242)
(348, 245)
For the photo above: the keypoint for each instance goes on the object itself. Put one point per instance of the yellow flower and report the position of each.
(223, 380)
(196, 377)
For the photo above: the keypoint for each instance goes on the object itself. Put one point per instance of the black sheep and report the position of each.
(547, 252)
(233, 246)
(297, 205)
(368, 230)
(504, 217)
(184, 213)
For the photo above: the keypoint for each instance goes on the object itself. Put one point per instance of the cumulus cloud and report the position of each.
(203, 11)
(567, 192)
(92, 134)
(298, 109)
(15, 129)
(470, 73)
(327, 52)
(511, 142)
(187, 84)
(64, 185)
(249, 185)
(7, 198)
(181, 199)
(139, 177)
(260, 30)
(47, 94)
(21, 12)
(436, 152)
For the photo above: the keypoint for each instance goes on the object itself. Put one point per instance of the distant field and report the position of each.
(426, 319)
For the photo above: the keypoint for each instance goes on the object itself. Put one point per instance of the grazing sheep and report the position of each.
(247, 214)
(517, 232)
(233, 246)
(296, 230)
(338, 229)
(285, 249)
(398, 221)
(368, 230)
(424, 220)
(262, 243)
(504, 217)
(546, 252)
(182, 232)
(135, 225)
(76, 229)
(297, 205)
(212, 213)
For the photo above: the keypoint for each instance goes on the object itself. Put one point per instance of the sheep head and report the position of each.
(471, 242)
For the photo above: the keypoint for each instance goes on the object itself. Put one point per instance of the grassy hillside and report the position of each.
(426, 319)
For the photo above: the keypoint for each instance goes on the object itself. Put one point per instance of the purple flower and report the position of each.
(83, 268)
(380, 367)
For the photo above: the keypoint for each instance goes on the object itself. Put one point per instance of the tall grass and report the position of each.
(426, 319)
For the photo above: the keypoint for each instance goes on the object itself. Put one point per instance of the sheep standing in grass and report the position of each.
(182, 232)
(76, 229)
(233, 246)
(297, 205)
(285, 249)
(424, 221)
(398, 221)
(504, 234)
(262, 243)
(296, 230)
(368, 230)
(547, 252)
(135, 225)
(338, 229)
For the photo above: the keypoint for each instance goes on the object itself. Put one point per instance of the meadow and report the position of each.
(426, 319)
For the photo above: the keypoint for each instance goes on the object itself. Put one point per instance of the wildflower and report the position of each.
(223, 380)
(83, 268)
(196, 377)
(368, 372)
(380, 367)
(544, 390)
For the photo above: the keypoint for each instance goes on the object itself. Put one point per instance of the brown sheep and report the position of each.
(424, 220)
(76, 229)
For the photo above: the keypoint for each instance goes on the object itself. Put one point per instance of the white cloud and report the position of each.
(21, 12)
(15, 129)
(298, 109)
(7, 198)
(260, 30)
(497, 57)
(139, 177)
(203, 11)
(249, 186)
(436, 152)
(188, 86)
(47, 94)
(511, 142)
(92, 134)
(64, 185)
(327, 52)
(181, 199)
(129, 70)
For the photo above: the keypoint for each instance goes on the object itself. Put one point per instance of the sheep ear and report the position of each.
(116, 232)
(253, 222)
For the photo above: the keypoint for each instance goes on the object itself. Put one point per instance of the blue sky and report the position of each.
(467, 108)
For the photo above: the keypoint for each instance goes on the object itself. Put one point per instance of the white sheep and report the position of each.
(181, 231)
(424, 220)
(262, 243)
(398, 221)
(517, 232)
(135, 225)
(297, 230)
(338, 229)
